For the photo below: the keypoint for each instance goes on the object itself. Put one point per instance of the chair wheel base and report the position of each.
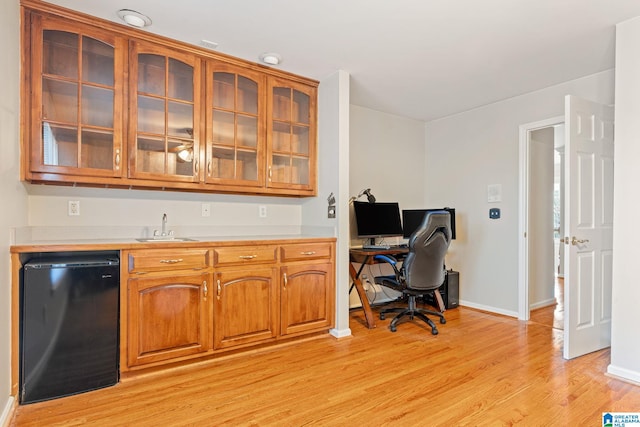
(443, 320)
(434, 331)
(382, 316)
(392, 328)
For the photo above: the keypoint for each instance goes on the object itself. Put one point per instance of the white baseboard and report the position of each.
(624, 374)
(541, 304)
(7, 411)
(340, 333)
(489, 308)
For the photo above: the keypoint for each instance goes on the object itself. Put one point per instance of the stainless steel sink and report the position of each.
(165, 239)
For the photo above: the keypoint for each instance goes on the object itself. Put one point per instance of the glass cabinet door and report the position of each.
(78, 101)
(165, 125)
(235, 129)
(291, 135)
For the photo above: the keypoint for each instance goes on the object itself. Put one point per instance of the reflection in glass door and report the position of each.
(166, 131)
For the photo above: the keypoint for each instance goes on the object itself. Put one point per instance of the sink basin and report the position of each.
(165, 239)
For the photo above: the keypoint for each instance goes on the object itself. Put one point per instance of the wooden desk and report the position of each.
(366, 257)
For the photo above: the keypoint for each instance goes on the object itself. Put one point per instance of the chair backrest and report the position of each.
(424, 265)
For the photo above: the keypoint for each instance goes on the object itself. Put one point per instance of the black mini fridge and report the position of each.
(69, 325)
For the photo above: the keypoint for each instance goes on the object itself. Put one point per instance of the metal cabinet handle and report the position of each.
(248, 256)
(575, 241)
(270, 173)
(219, 289)
(308, 253)
(170, 261)
(285, 280)
(209, 168)
(195, 166)
(117, 159)
(206, 290)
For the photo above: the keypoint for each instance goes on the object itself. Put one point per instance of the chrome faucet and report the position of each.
(164, 225)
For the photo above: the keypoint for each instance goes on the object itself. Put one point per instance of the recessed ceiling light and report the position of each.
(271, 58)
(133, 18)
(209, 44)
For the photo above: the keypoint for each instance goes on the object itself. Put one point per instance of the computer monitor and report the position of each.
(412, 218)
(377, 220)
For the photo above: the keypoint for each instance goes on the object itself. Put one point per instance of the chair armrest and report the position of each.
(386, 258)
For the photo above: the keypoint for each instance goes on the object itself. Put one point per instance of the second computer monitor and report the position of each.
(412, 218)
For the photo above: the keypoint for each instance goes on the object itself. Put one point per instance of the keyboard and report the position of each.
(375, 247)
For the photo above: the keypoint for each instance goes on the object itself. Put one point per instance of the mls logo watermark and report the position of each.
(620, 419)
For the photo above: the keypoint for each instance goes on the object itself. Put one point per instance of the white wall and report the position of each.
(333, 161)
(136, 213)
(625, 345)
(540, 239)
(469, 151)
(14, 199)
(386, 154)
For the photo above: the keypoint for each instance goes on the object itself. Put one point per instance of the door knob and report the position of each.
(575, 241)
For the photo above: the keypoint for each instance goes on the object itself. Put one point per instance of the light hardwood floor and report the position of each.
(481, 370)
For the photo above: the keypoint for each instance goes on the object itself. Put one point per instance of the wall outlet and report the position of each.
(206, 209)
(262, 211)
(74, 208)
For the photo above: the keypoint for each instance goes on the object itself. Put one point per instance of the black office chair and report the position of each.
(423, 269)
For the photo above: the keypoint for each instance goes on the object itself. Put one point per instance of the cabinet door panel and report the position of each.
(168, 317)
(291, 139)
(245, 306)
(76, 99)
(307, 298)
(166, 104)
(235, 126)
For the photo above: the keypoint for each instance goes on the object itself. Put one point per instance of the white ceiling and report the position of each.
(422, 59)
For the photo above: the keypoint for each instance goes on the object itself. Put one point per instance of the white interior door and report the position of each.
(588, 203)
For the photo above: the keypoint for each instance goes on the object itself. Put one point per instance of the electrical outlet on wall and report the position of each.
(262, 211)
(74, 208)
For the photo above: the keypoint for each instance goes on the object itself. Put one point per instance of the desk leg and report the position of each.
(368, 314)
(441, 305)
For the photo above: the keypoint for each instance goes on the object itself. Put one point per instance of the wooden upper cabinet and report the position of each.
(76, 99)
(105, 104)
(291, 135)
(235, 102)
(164, 113)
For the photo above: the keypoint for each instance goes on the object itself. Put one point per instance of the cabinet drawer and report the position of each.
(161, 259)
(244, 255)
(305, 251)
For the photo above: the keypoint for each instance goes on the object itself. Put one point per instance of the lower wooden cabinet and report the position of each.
(307, 298)
(168, 317)
(245, 306)
(190, 302)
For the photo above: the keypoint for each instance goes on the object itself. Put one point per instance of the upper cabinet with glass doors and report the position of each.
(76, 99)
(291, 135)
(235, 125)
(106, 104)
(164, 116)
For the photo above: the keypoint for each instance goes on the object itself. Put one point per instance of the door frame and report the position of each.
(523, 215)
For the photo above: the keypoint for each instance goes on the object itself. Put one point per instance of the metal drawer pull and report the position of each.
(308, 253)
(219, 289)
(170, 261)
(248, 256)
